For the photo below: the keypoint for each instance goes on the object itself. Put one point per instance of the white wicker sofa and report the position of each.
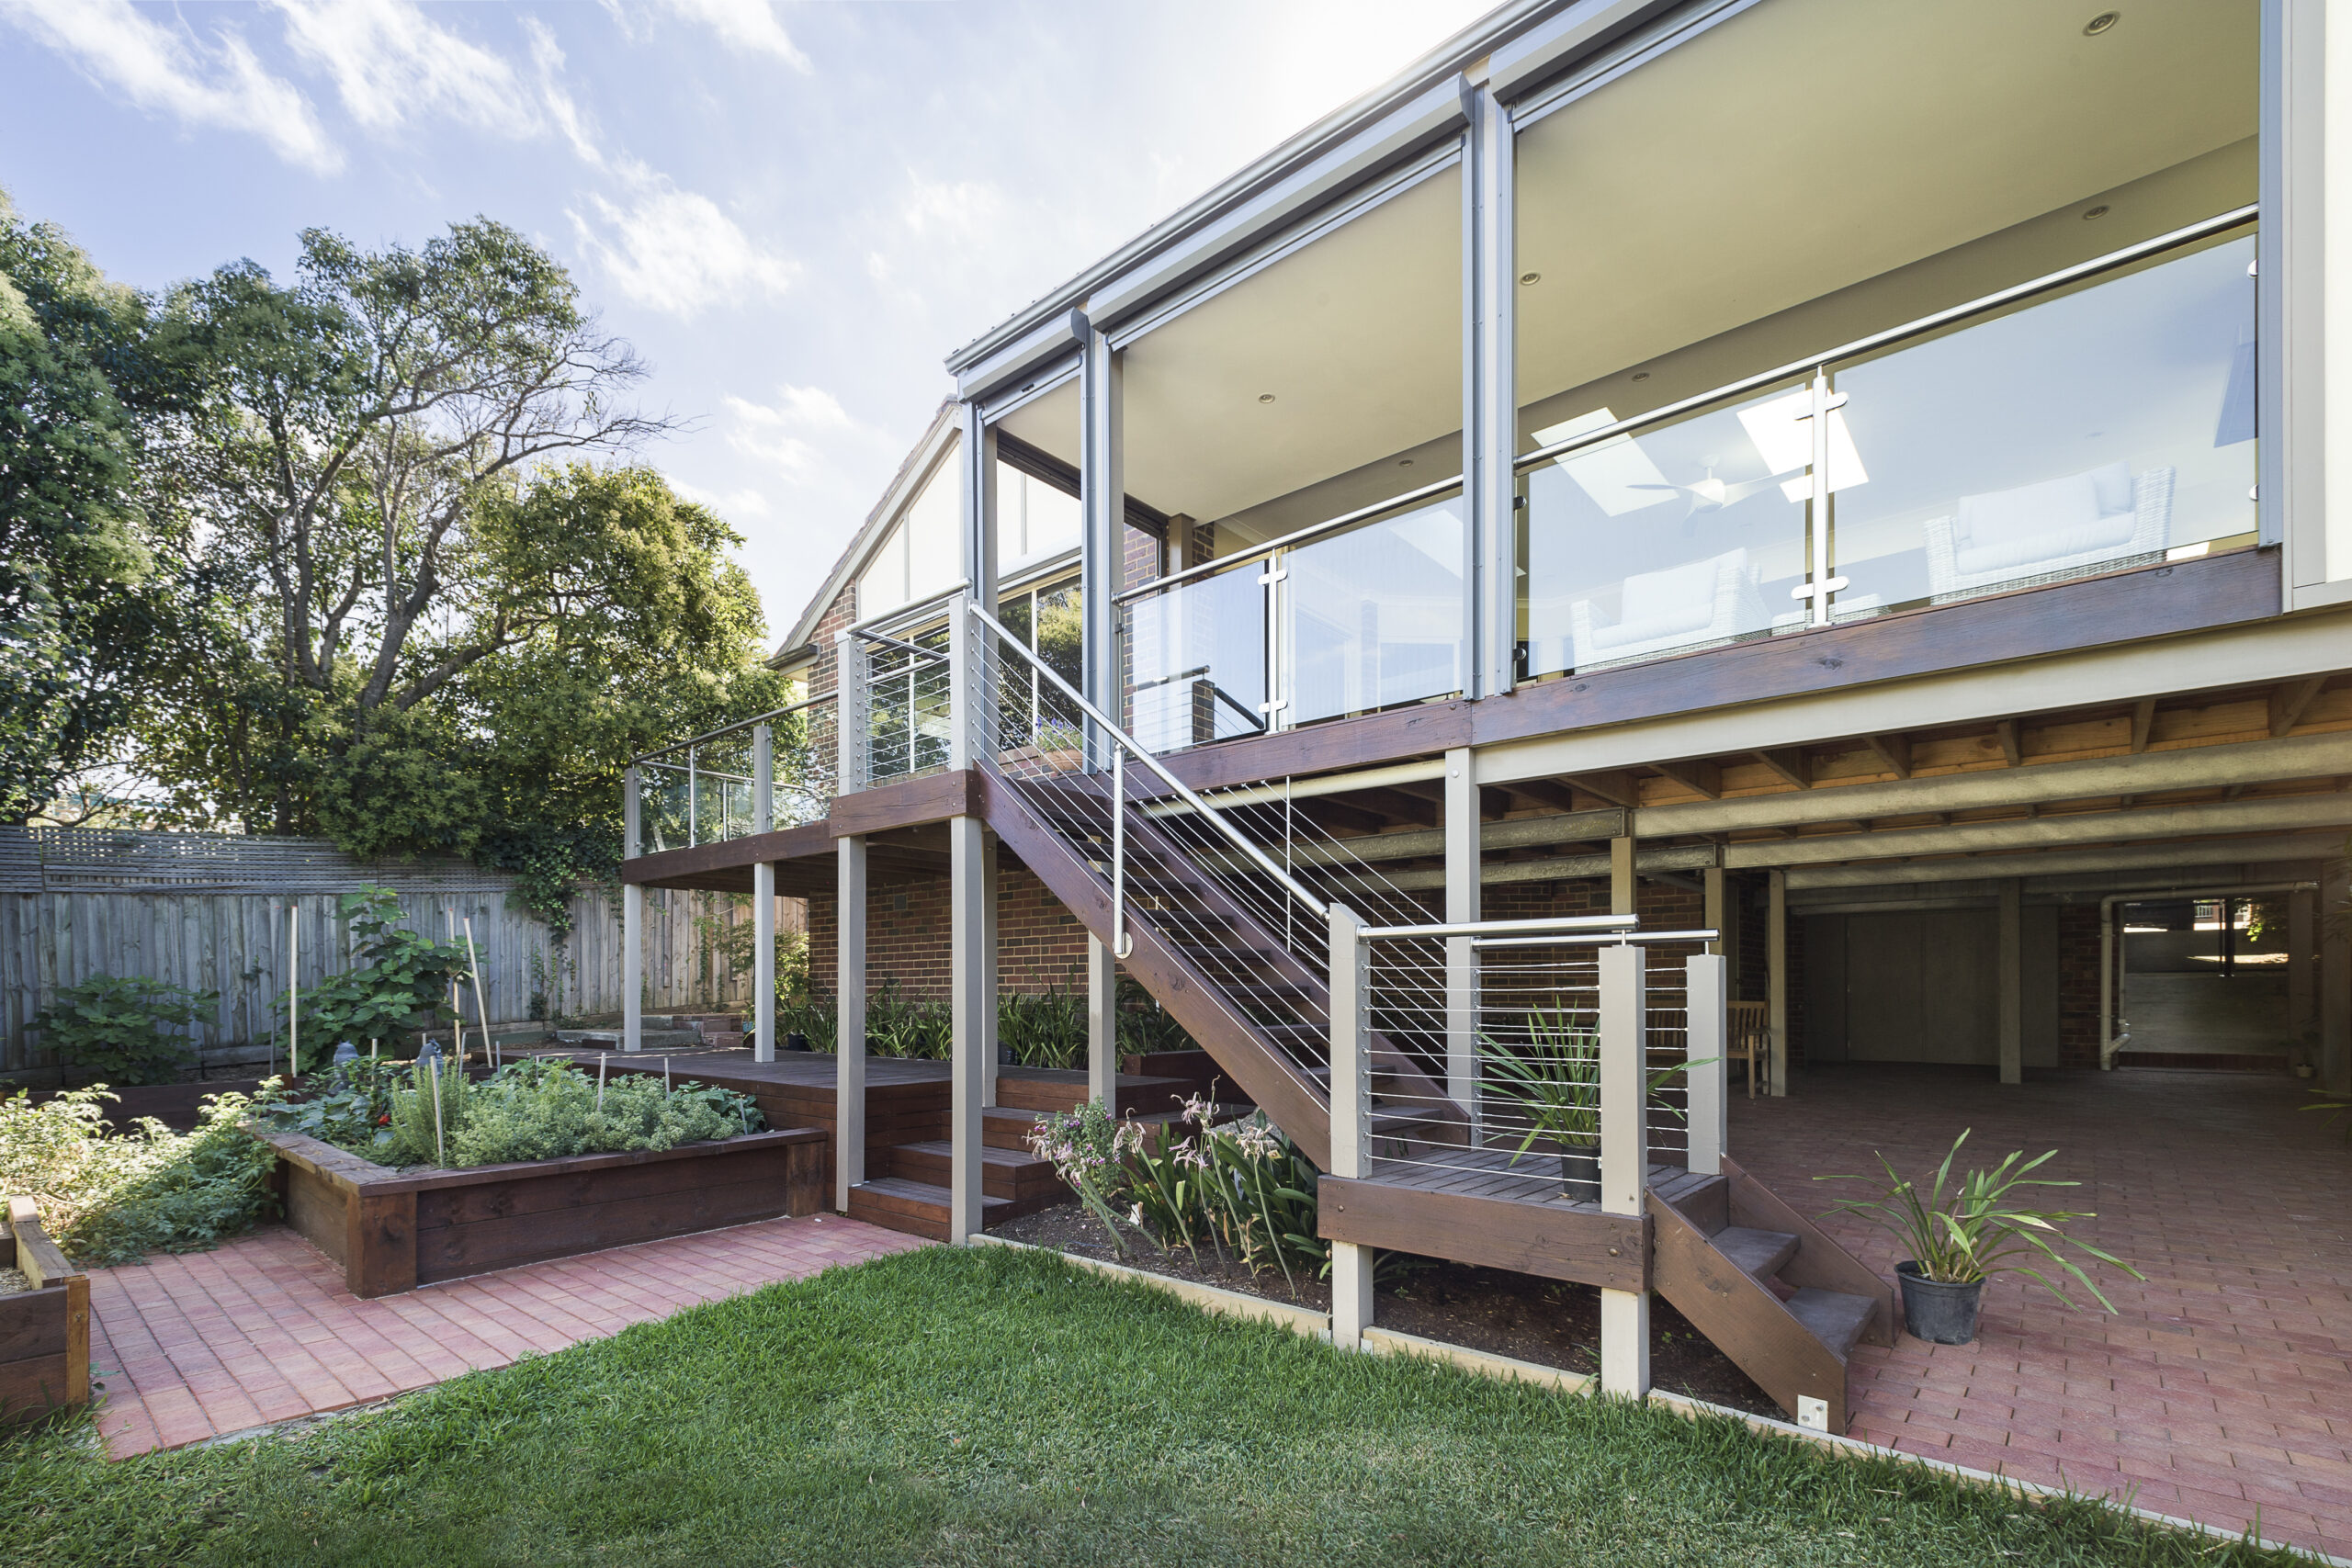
(2094, 521)
(1701, 604)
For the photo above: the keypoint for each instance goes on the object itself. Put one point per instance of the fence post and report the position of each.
(1707, 1076)
(1625, 1159)
(763, 898)
(632, 916)
(1350, 1119)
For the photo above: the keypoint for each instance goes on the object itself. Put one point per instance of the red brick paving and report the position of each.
(262, 1330)
(2222, 1386)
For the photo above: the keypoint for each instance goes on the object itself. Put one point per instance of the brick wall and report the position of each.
(1040, 945)
(2079, 985)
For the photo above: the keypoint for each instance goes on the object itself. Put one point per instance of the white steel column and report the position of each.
(1101, 1025)
(848, 1029)
(762, 898)
(1625, 1159)
(2011, 961)
(971, 967)
(1351, 1121)
(1103, 497)
(992, 977)
(1490, 403)
(632, 919)
(1708, 1075)
(1460, 958)
(1776, 984)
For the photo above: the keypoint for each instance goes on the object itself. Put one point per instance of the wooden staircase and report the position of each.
(907, 1185)
(1769, 1288)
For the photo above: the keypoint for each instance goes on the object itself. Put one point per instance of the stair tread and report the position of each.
(1760, 1253)
(923, 1192)
(942, 1148)
(1833, 1317)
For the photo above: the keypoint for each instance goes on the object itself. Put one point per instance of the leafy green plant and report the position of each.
(1043, 1028)
(109, 1198)
(1978, 1231)
(1553, 1078)
(116, 1030)
(898, 1025)
(1241, 1186)
(526, 1111)
(815, 1018)
(1145, 1027)
(398, 980)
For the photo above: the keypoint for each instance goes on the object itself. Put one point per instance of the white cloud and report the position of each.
(951, 209)
(733, 505)
(167, 69)
(674, 250)
(745, 25)
(800, 434)
(569, 120)
(390, 63)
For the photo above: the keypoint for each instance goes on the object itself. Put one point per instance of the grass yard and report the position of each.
(989, 1405)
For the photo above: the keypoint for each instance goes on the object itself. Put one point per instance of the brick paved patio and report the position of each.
(262, 1330)
(2223, 1385)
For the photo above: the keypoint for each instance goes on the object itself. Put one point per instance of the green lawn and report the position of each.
(992, 1406)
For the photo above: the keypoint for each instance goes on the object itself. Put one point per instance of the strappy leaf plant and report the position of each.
(1969, 1230)
(1553, 1078)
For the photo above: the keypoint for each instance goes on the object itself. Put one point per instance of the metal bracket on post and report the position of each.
(762, 898)
(1625, 1159)
(1351, 1120)
(1706, 1075)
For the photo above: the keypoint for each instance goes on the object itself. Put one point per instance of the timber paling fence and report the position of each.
(208, 912)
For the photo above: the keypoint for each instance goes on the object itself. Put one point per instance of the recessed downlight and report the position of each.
(2091, 212)
(1640, 375)
(1404, 462)
(1525, 278)
(2101, 23)
(1265, 397)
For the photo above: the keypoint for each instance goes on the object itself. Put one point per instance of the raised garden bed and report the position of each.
(393, 1230)
(44, 1328)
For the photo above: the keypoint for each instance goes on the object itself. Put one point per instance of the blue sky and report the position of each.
(793, 212)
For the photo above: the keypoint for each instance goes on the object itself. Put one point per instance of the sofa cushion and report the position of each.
(2052, 521)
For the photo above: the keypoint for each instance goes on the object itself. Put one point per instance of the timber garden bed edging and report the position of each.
(44, 1331)
(391, 1231)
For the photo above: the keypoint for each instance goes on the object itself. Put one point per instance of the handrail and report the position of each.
(730, 728)
(1430, 491)
(1508, 928)
(901, 644)
(1134, 748)
(910, 608)
(1602, 939)
(1807, 365)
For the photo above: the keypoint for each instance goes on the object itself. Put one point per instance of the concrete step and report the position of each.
(915, 1208)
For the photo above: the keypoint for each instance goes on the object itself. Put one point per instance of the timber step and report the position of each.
(1008, 1126)
(1042, 1089)
(1768, 1287)
(1760, 1253)
(1833, 1317)
(1019, 1178)
(915, 1208)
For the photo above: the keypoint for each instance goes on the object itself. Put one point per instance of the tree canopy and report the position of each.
(371, 552)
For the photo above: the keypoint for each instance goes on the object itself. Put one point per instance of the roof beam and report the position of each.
(2094, 778)
(2143, 721)
(1894, 753)
(1698, 774)
(2288, 700)
(1616, 787)
(2004, 731)
(2083, 862)
(1790, 764)
(2271, 815)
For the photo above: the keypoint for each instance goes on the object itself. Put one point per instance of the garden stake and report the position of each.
(665, 1078)
(456, 998)
(600, 1081)
(293, 966)
(481, 1011)
(440, 1150)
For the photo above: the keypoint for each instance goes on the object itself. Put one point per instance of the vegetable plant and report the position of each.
(1978, 1229)
(111, 1198)
(120, 1029)
(398, 980)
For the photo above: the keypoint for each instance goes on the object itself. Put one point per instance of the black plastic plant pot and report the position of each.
(796, 1041)
(1936, 1311)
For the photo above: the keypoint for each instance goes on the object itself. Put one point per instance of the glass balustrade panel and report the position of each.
(908, 726)
(1197, 660)
(1678, 537)
(2089, 432)
(1372, 617)
(661, 795)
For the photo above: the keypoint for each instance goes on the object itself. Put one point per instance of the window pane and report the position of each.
(1375, 614)
(2086, 434)
(1679, 536)
(1199, 656)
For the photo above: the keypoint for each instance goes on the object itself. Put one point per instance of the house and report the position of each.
(1802, 531)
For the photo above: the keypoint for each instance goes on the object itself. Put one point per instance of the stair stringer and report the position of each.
(1820, 1263)
(1294, 1101)
(1742, 1317)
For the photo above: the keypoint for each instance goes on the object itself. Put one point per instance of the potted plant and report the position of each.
(1555, 1080)
(1958, 1241)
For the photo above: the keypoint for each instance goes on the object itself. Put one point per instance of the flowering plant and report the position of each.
(1084, 1146)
